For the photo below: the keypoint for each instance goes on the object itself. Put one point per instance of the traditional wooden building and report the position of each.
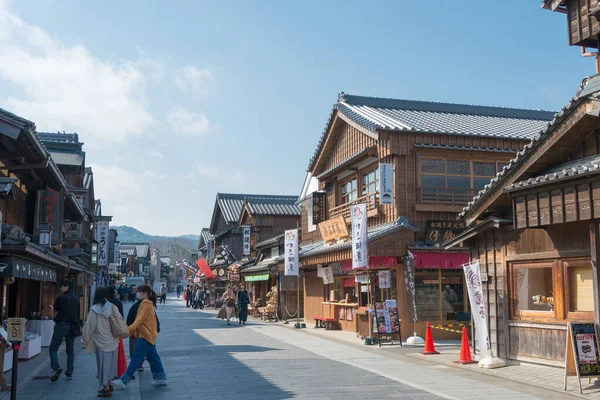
(534, 230)
(440, 154)
(143, 258)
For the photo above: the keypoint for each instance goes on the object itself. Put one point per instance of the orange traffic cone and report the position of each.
(465, 350)
(429, 347)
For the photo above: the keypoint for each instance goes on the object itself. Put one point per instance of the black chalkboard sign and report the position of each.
(582, 357)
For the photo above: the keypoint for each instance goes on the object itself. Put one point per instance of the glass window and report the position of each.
(427, 293)
(370, 181)
(348, 191)
(484, 169)
(581, 292)
(458, 167)
(455, 182)
(453, 299)
(501, 166)
(533, 288)
(429, 165)
(479, 183)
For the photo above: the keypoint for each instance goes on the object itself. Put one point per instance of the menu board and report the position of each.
(582, 358)
(386, 314)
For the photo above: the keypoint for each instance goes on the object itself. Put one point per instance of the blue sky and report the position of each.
(178, 102)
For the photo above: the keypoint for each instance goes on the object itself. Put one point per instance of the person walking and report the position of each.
(163, 294)
(188, 296)
(125, 293)
(131, 316)
(179, 290)
(67, 328)
(243, 299)
(145, 329)
(236, 311)
(132, 291)
(98, 338)
(229, 302)
(121, 359)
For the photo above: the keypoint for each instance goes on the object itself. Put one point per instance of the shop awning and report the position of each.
(17, 267)
(375, 262)
(440, 259)
(256, 278)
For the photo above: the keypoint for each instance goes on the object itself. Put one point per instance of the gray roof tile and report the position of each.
(65, 158)
(536, 140)
(376, 114)
(142, 249)
(463, 148)
(232, 205)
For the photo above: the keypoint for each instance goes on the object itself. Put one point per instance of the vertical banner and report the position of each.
(117, 253)
(102, 239)
(475, 289)
(327, 276)
(246, 238)
(291, 252)
(385, 279)
(386, 183)
(360, 258)
(319, 271)
(409, 282)
(210, 250)
(318, 207)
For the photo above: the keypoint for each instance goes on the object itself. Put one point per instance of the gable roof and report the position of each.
(502, 177)
(205, 237)
(381, 114)
(142, 250)
(232, 204)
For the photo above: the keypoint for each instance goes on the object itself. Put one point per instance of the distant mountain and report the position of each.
(168, 245)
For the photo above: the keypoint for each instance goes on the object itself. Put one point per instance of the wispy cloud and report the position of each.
(186, 121)
(157, 154)
(194, 79)
(64, 87)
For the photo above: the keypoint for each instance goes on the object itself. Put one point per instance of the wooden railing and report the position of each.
(444, 195)
(371, 200)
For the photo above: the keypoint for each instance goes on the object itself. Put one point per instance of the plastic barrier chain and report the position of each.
(448, 326)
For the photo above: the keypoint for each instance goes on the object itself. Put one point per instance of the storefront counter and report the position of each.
(43, 327)
(343, 314)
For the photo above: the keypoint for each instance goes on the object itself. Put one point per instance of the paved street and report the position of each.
(205, 358)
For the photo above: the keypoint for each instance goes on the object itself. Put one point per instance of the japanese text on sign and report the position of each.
(439, 232)
(360, 257)
(291, 252)
(246, 239)
(102, 239)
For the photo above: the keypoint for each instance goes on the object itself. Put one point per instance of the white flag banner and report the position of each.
(361, 279)
(246, 237)
(386, 183)
(475, 289)
(360, 257)
(319, 271)
(385, 279)
(327, 276)
(291, 252)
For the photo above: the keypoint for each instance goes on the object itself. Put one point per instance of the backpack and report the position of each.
(118, 327)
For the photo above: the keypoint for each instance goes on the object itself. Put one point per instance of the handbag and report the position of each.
(118, 327)
(76, 329)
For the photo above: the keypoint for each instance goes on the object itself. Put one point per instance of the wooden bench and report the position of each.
(266, 315)
(322, 322)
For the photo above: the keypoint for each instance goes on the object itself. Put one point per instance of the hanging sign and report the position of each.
(117, 253)
(227, 255)
(210, 250)
(360, 258)
(385, 279)
(327, 276)
(112, 269)
(475, 290)
(318, 207)
(246, 238)
(439, 232)
(319, 271)
(386, 183)
(102, 239)
(582, 357)
(334, 229)
(409, 283)
(361, 278)
(291, 252)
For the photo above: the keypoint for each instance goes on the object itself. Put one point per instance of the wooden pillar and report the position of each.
(595, 256)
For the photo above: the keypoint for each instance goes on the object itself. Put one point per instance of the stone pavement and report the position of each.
(205, 358)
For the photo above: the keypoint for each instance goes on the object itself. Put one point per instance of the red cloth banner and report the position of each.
(438, 259)
(374, 262)
(208, 274)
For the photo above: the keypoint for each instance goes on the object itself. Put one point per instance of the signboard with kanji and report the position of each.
(439, 232)
(333, 229)
(318, 207)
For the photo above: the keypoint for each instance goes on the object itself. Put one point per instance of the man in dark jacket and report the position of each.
(68, 326)
(189, 293)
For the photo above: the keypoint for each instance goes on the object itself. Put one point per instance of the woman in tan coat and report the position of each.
(229, 304)
(145, 329)
(97, 338)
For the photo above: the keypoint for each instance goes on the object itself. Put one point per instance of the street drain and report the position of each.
(40, 377)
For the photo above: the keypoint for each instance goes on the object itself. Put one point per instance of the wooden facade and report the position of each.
(434, 175)
(582, 20)
(534, 232)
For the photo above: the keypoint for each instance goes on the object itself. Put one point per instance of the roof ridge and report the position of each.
(456, 108)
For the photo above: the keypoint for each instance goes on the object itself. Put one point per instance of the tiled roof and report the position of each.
(262, 266)
(206, 237)
(573, 169)
(129, 250)
(269, 242)
(375, 114)
(347, 161)
(142, 249)
(65, 158)
(58, 137)
(502, 176)
(463, 148)
(372, 234)
(231, 205)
